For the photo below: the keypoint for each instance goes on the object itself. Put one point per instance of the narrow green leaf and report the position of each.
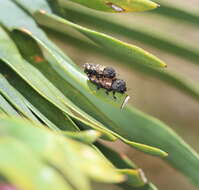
(97, 167)
(116, 6)
(6, 107)
(69, 124)
(88, 136)
(15, 98)
(48, 113)
(135, 177)
(150, 134)
(21, 103)
(43, 118)
(2, 112)
(35, 80)
(120, 161)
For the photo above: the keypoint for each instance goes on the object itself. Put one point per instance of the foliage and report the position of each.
(47, 103)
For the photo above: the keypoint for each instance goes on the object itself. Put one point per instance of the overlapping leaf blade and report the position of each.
(88, 136)
(6, 107)
(62, 66)
(66, 155)
(44, 87)
(161, 137)
(15, 98)
(48, 113)
(177, 144)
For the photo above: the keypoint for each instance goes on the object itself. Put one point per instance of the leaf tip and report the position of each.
(162, 153)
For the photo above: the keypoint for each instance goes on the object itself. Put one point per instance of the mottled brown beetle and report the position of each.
(99, 71)
(105, 77)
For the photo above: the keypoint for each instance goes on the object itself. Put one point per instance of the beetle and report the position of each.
(99, 71)
(105, 77)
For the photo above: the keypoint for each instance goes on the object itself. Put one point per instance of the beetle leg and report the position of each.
(114, 95)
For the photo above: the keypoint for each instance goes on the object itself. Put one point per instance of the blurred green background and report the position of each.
(149, 94)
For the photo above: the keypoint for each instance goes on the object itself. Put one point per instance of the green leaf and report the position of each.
(135, 177)
(15, 98)
(118, 6)
(88, 136)
(22, 104)
(2, 112)
(6, 107)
